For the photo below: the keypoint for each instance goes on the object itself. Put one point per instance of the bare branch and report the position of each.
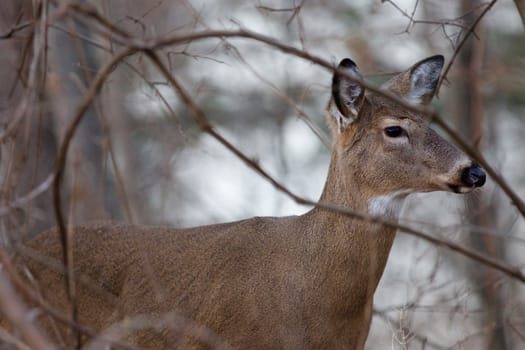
(171, 320)
(23, 201)
(520, 5)
(30, 294)
(460, 45)
(14, 29)
(65, 234)
(11, 339)
(25, 103)
(15, 311)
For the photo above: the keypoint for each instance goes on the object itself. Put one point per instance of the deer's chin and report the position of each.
(460, 188)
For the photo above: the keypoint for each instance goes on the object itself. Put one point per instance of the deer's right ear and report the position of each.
(347, 94)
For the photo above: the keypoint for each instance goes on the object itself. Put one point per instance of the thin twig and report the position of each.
(520, 6)
(411, 21)
(169, 320)
(25, 102)
(11, 339)
(301, 114)
(389, 320)
(23, 201)
(30, 294)
(14, 29)
(460, 45)
(16, 312)
(65, 238)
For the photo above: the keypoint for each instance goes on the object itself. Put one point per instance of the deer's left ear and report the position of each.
(347, 94)
(418, 84)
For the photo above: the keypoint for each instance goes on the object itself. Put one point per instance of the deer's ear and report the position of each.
(424, 77)
(418, 84)
(347, 94)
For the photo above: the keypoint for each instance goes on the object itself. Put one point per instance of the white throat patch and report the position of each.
(389, 205)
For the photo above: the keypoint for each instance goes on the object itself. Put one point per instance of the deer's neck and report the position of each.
(349, 188)
(353, 252)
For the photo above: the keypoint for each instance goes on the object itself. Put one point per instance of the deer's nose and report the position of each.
(473, 176)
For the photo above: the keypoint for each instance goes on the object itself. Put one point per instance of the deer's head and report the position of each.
(388, 150)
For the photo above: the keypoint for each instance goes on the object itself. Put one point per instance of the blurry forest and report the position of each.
(79, 79)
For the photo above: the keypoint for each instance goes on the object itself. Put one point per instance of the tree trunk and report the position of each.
(481, 210)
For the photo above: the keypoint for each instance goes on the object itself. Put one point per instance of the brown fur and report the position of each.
(301, 282)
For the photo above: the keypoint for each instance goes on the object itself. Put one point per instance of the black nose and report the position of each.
(473, 176)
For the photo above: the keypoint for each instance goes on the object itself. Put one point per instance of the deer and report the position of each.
(296, 282)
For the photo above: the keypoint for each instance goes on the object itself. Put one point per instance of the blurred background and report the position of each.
(138, 156)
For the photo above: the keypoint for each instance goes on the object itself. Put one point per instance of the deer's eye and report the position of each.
(394, 131)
